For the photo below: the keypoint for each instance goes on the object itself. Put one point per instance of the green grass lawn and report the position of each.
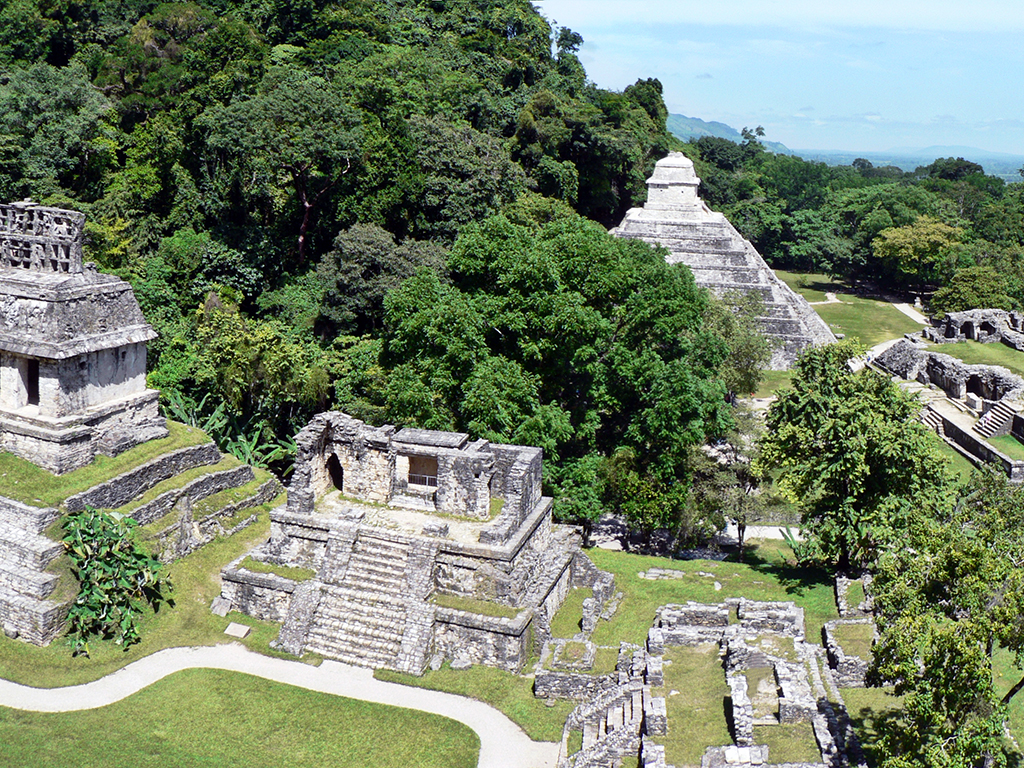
(196, 580)
(1009, 445)
(976, 353)
(855, 594)
(25, 482)
(484, 607)
(869, 709)
(810, 285)
(856, 639)
(211, 718)
(568, 620)
(773, 380)
(768, 574)
(696, 711)
(958, 463)
(868, 321)
(789, 743)
(512, 694)
(284, 571)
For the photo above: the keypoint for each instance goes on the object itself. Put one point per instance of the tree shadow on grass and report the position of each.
(793, 578)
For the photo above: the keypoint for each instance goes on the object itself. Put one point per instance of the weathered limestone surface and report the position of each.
(984, 325)
(398, 535)
(676, 218)
(72, 347)
(957, 379)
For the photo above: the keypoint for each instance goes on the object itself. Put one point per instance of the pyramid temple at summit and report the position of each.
(720, 258)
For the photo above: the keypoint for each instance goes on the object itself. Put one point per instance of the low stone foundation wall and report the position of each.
(849, 671)
(122, 489)
(495, 642)
(571, 685)
(264, 596)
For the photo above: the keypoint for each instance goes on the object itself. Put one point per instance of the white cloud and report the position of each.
(951, 15)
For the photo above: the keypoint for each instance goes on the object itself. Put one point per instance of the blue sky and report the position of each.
(853, 75)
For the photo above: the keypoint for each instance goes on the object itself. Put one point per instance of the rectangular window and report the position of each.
(423, 471)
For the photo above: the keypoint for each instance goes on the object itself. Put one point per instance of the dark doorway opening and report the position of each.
(336, 472)
(32, 382)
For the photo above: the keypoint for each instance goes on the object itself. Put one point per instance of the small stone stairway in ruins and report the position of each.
(611, 726)
(372, 612)
(996, 421)
(932, 420)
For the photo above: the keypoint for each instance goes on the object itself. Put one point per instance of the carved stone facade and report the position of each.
(721, 260)
(72, 347)
(984, 325)
(411, 534)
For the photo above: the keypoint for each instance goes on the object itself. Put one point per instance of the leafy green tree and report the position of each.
(946, 598)
(363, 267)
(735, 320)
(850, 452)
(553, 331)
(973, 288)
(296, 123)
(117, 579)
(919, 253)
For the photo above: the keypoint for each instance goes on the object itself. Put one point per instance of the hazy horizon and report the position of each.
(870, 76)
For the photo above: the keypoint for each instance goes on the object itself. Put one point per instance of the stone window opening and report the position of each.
(423, 471)
(32, 382)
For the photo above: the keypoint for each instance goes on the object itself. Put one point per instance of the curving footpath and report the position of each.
(502, 743)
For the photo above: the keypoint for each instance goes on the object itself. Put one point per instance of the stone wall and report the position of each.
(955, 378)
(264, 596)
(492, 641)
(849, 671)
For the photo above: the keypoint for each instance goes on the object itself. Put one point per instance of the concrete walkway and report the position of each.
(912, 313)
(502, 743)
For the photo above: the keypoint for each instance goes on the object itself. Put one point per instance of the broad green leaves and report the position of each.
(117, 579)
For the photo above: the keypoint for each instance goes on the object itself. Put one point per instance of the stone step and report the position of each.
(25, 516)
(364, 596)
(29, 582)
(358, 658)
(353, 632)
(996, 421)
(383, 575)
(35, 621)
(30, 550)
(382, 548)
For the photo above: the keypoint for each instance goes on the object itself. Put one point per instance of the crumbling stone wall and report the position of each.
(955, 378)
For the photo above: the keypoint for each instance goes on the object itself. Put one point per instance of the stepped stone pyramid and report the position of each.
(720, 258)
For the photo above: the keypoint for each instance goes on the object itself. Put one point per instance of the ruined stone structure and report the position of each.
(625, 714)
(423, 543)
(981, 401)
(720, 258)
(72, 347)
(73, 385)
(984, 325)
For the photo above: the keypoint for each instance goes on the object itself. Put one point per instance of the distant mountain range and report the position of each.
(1001, 164)
(687, 128)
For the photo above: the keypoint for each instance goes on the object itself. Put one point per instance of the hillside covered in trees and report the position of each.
(396, 209)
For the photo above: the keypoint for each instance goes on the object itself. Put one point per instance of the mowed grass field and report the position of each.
(214, 718)
(869, 321)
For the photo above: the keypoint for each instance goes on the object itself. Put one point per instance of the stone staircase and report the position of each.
(611, 727)
(932, 420)
(996, 421)
(368, 615)
(25, 552)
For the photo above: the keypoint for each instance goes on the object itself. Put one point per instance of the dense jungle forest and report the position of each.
(399, 209)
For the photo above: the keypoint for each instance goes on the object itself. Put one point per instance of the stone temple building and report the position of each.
(72, 347)
(675, 217)
(418, 546)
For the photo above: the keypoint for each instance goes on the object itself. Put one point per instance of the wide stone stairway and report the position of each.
(365, 610)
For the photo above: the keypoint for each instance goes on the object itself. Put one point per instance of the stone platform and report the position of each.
(423, 545)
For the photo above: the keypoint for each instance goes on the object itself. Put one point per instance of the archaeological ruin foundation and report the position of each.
(675, 217)
(420, 545)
